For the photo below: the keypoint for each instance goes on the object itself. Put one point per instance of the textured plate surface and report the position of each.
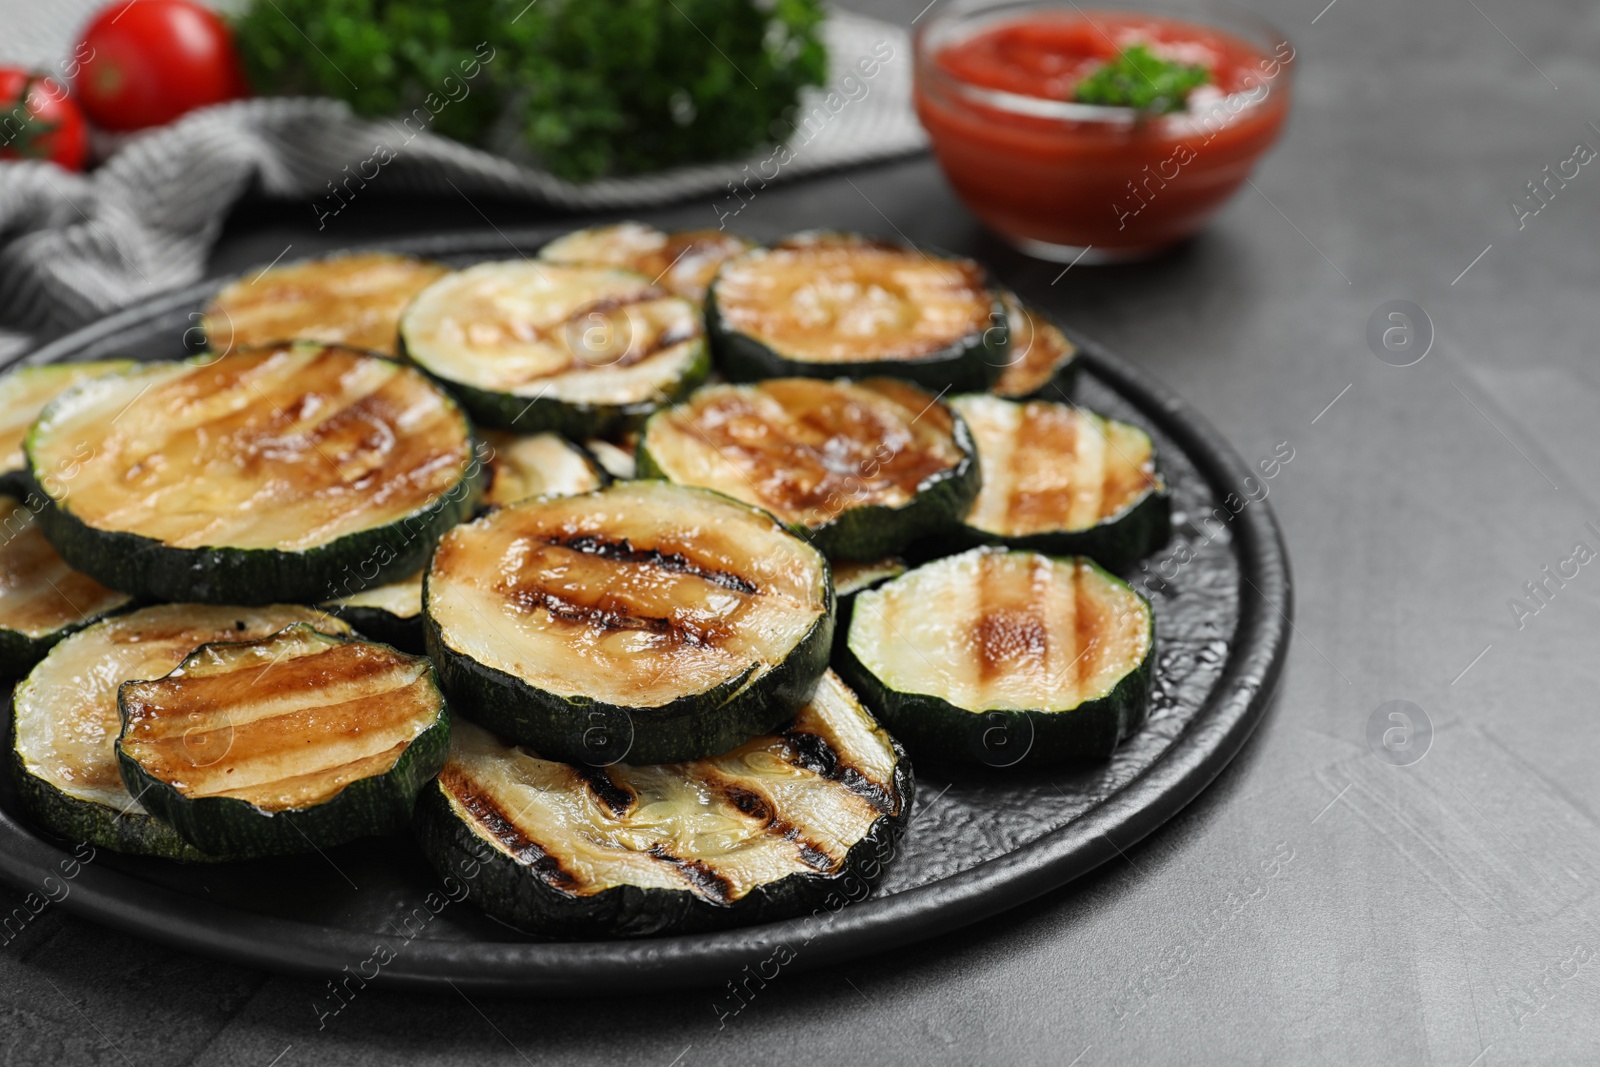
(976, 845)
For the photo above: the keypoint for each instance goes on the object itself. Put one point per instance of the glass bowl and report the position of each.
(1075, 182)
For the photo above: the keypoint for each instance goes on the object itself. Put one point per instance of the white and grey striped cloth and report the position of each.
(74, 246)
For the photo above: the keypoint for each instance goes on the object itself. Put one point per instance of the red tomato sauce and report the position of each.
(1097, 178)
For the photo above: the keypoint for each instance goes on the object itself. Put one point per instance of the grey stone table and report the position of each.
(1318, 904)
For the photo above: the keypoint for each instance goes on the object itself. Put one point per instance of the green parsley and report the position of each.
(583, 88)
(1138, 78)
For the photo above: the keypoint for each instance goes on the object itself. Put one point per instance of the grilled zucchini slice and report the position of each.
(861, 469)
(295, 742)
(1003, 658)
(42, 599)
(645, 621)
(772, 829)
(683, 263)
(541, 464)
(391, 613)
(1064, 481)
(24, 393)
(353, 299)
(617, 460)
(825, 305)
(65, 720)
(536, 347)
(1041, 364)
(280, 474)
(852, 578)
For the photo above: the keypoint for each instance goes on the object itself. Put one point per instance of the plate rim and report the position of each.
(1208, 743)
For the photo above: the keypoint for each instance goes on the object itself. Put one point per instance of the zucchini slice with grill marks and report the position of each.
(24, 393)
(1064, 481)
(1042, 363)
(541, 464)
(770, 830)
(280, 474)
(683, 263)
(294, 742)
(65, 721)
(391, 613)
(645, 621)
(822, 305)
(533, 347)
(41, 598)
(1003, 658)
(351, 299)
(861, 469)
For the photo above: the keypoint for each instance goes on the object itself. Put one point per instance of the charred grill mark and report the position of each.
(755, 806)
(813, 856)
(828, 443)
(577, 323)
(752, 804)
(609, 615)
(1084, 625)
(812, 752)
(499, 825)
(617, 799)
(622, 551)
(1004, 635)
(707, 882)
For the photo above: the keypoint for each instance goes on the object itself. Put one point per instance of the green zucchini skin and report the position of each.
(130, 832)
(1034, 327)
(1115, 544)
(75, 688)
(971, 364)
(967, 367)
(938, 732)
(1057, 387)
(866, 576)
(236, 829)
(19, 651)
(568, 720)
(872, 531)
(595, 733)
(28, 630)
(229, 828)
(509, 824)
(384, 627)
(379, 623)
(24, 392)
(151, 570)
(500, 886)
(1116, 541)
(571, 419)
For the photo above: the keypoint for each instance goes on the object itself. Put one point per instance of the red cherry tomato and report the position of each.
(38, 120)
(145, 62)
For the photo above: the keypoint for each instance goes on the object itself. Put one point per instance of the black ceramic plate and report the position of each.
(975, 846)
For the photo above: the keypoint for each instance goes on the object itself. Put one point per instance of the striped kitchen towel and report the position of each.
(75, 246)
